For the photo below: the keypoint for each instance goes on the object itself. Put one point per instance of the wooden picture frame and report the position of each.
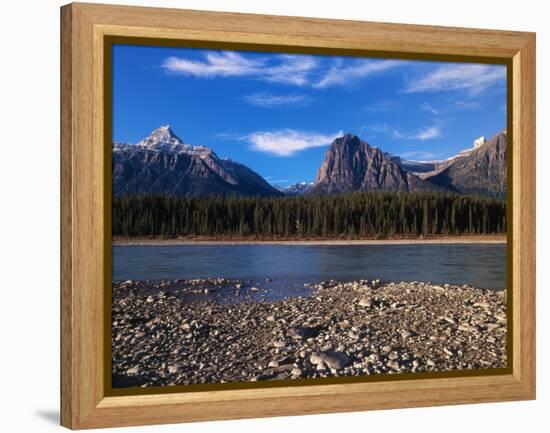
(86, 32)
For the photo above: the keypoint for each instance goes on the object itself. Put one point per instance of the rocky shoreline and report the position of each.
(205, 240)
(343, 329)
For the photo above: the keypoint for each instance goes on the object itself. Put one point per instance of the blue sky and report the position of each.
(278, 113)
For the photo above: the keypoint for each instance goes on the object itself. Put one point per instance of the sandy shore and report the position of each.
(343, 329)
(435, 240)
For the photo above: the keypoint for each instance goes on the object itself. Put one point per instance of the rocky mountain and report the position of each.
(421, 167)
(162, 163)
(351, 164)
(479, 170)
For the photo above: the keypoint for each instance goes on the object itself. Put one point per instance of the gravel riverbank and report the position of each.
(343, 329)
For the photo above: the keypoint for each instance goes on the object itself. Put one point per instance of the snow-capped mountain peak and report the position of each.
(163, 139)
(296, 188)
(162, 136)
(479, 142)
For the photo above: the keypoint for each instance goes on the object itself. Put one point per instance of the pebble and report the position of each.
(296, 372)
(393, 364)
(448, 351)
(160, 338)
(303, 332)
(336, 360)
(365, 302)
(405, 334)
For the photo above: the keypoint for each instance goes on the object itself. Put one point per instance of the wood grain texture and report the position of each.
(524, 218)
(84, 28)
(306, 32)
(67, 394)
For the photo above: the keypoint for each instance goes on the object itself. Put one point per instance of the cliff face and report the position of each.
(351, 164)
(481, 171)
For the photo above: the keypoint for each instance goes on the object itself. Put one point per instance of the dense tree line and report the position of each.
(373, 214)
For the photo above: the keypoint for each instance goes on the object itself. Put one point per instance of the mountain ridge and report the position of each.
(481, 171)
(163, 164)
(351, 164)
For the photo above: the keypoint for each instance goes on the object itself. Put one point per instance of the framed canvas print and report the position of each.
(272, 216)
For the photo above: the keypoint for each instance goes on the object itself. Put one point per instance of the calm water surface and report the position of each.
(282, 270)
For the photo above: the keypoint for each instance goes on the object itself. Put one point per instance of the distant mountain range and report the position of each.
(296, 188)
(162, 163)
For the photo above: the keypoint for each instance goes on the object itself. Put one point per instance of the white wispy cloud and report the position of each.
(471, 77)
(422, 134)
(286, 142)
(225, 64)
(344, 75)
(268, 100)
(378, 127)
(298, 70)
(290, 69)
(419, 155)
(427, 133)
(426, 106)
(228, 135)
(381, 106)
(465, 104)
